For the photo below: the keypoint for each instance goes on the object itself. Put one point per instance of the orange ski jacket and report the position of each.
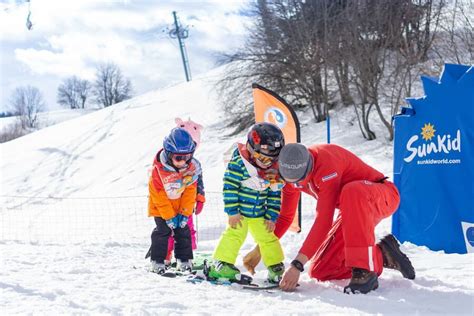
(172, 192)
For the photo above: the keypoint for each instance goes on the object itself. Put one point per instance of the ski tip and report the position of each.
(169, 275)
(256, 287)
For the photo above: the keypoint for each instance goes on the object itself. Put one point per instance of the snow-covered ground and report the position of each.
(73, 221)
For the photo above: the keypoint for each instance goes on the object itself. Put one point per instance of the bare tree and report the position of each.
(283, 53)
(111, 86)
(386, 41)
(73, 92)
(455, 41)
(466, 29)
(412, 52)
(27, 102)
(365, 38)
(12, 131)
(373, 50)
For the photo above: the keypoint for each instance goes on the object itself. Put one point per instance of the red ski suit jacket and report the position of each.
(333, 167)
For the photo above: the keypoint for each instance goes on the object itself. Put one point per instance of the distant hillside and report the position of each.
(48, 118)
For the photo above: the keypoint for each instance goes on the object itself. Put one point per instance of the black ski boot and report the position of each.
(394, 258)
(362, 281)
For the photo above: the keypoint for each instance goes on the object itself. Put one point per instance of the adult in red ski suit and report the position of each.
(344, 247)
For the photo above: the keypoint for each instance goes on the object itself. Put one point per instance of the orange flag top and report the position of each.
(271, 108)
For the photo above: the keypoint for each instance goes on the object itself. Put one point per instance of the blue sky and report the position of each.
(72, 37)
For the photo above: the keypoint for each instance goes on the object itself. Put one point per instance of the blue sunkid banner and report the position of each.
(434, 164)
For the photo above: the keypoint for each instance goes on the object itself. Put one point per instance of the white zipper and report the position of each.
(310, 186)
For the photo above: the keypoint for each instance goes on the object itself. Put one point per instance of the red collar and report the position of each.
(263, 173)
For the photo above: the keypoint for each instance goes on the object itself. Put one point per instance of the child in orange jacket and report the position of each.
(173, 189)
(194, 129)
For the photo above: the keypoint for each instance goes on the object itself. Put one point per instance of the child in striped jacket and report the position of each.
(252, 198)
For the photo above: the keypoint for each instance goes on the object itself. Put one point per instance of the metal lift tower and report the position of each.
(181, 33)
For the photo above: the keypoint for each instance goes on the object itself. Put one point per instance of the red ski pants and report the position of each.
(351, 240)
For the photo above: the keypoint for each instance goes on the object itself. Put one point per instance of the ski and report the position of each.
(245, 280)
(269, 288)
(170, 272)
(202, 279)
(198, 261)
(266, 286)
(257, 287)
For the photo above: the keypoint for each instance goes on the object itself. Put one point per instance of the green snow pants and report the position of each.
(232, 239)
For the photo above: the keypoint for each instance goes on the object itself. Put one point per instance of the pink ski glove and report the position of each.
(199, 206)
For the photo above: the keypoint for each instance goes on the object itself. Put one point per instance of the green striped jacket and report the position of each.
(239, 197)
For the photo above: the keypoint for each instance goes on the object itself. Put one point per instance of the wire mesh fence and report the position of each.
(124, 218)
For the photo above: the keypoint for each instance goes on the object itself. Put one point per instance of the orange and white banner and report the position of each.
(270, 107)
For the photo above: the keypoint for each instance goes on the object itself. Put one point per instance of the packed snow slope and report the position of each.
(106, 155)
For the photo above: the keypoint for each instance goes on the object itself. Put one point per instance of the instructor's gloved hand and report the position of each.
(173, 223)
(183, 220)
(252, 259)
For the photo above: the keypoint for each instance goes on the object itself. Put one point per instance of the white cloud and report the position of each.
(71, 37)
(45, 62)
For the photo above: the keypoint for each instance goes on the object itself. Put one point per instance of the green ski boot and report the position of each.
(275, 272)
(224, 270)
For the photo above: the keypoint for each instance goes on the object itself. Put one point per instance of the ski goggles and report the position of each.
(182, 157)
(264, 159)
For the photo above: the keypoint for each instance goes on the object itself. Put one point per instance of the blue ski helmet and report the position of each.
(179, 142)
